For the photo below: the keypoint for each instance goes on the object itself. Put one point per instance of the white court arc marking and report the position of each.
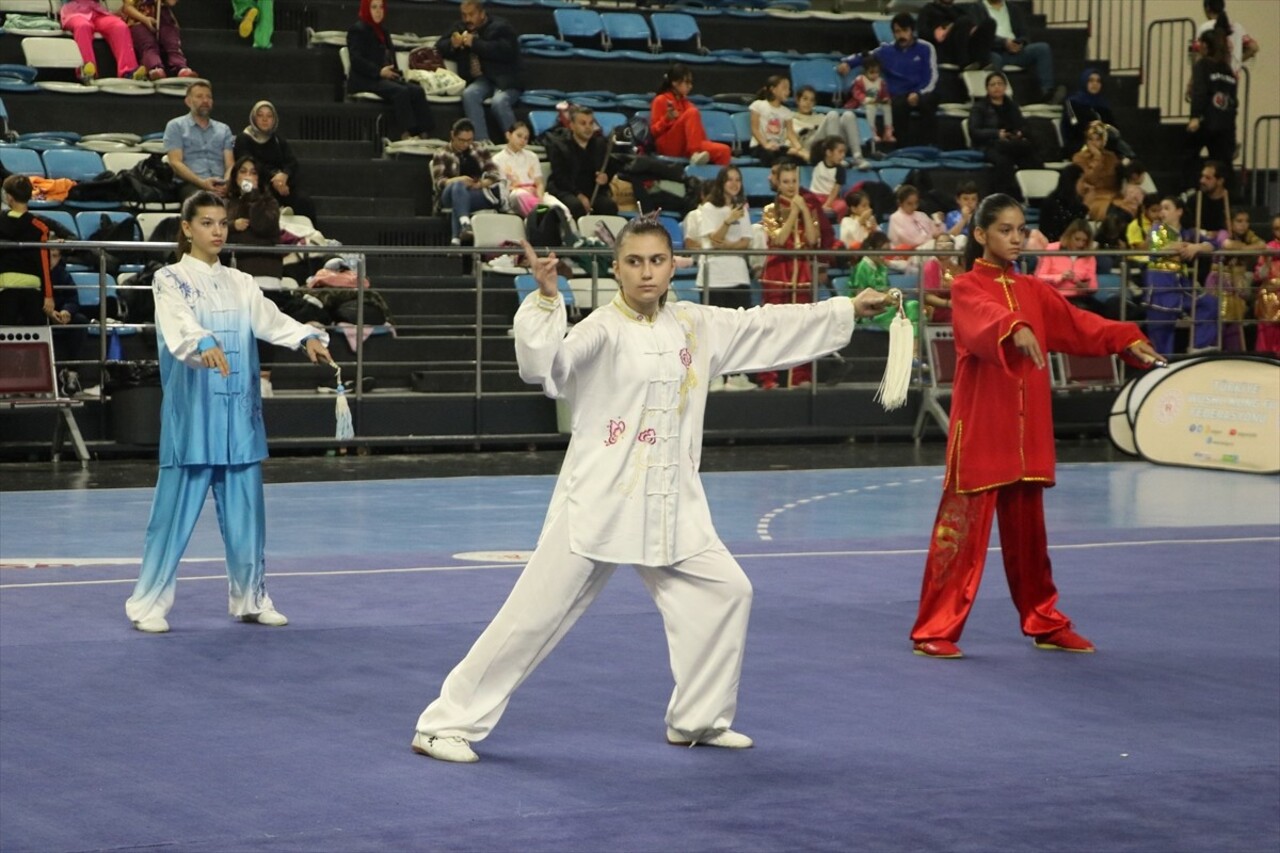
(762, 525)
(1078, 546)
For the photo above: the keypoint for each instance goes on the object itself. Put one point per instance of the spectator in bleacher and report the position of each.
(861, 221)
(199, 147)
(826, 184)
(1171, 291)
(957, 222)
(998, 129)
(254, 219)
(911, 228)
(84, 18)
(211, 428)
(581, 167)
(1232, 278)
(1074, 275)
(870, 93)
(157, 39)
(487, 51)
(773, 137)
(676, 125)
(257, 19)
(811, 126)
(1101, 171)
(724, 222)
(1210, 203)
(936, 277)
(960, 36)
(1013, 47)
(789, 223)
(1214, 103)
(463, 176)
(872, 273)
(1064, 204)
(1241, 47)
(522, 171)
(1083, 108)
(1266, 305)
(911, 69)
(26, 290)
(373, 69)
(261, 139)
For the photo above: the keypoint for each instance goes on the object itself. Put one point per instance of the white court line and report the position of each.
(789, 554)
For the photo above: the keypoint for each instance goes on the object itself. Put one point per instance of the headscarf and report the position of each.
(367, 17)
(1084, 98)
(262, 136)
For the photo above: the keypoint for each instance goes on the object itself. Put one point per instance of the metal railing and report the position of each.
(1166, 73)
(1115, 29)
(1263, 164)
(483, 331)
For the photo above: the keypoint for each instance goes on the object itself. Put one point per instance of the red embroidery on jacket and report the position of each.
(686, 358)
(616, 429)
(648, 436)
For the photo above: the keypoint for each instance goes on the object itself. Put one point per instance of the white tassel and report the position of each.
(892, 393)
(344, 430)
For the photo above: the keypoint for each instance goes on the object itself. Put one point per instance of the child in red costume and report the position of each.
(789, 223)
(676, 124)
(1000, 454)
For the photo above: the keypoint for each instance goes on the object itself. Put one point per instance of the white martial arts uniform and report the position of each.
(211, 430)
(629, 492)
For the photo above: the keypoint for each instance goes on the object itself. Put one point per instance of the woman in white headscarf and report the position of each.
(262, 141)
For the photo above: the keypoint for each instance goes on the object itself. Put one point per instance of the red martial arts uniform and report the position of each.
(1000, 452)
(786, 279)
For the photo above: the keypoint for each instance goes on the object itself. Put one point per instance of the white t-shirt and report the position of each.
(1235, 42)
(824, 178)
(518, 170)
(852, 231)
(773, 121)
(723, 270)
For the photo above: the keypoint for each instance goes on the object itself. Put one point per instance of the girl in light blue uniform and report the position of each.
(208, 320)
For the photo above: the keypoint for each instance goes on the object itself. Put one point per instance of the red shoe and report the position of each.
(1064, 640)
(944, 649)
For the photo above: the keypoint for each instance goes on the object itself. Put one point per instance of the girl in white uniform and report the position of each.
(208, 321)
(635, 373)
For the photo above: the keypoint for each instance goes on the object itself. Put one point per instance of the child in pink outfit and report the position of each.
(871, 92)
(83, 18)
(1074, 275)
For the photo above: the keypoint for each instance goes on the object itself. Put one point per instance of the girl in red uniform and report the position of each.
(1000, 454)
(676, 124)
(789, 223)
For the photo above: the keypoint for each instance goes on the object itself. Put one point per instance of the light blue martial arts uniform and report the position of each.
(211, 431)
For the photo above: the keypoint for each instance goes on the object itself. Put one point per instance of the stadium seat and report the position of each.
(540, 121)
(607, 121)
(742, 129)
(580, 27)
(821, 75)
(77, 164)
(626, 29)
(755, 184)
(122, 161)
(526, 284)
(87, 291)
(674, 31)
(345, 55)
(883, 30)
(1036, 183)
(21, 161)
(148, 222)
(719, 127)
(62, 218)
(975, 82)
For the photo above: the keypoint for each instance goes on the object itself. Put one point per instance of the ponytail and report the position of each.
(988, 210)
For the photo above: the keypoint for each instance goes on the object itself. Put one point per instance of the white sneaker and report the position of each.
(265, 385)
(739, 382)
(152, 625)
(726, 739)
(93, 392)
(454, 749)
(700, 158)
(718, 383)
(274, 618)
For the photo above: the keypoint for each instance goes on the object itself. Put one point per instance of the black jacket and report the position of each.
(263, 213)
(272, 156)
(1017, 17)
(573, 168)
(986, 120)
(498, 47)
(940, 15)
(369, 55)
(1214, 96)
(34, 262)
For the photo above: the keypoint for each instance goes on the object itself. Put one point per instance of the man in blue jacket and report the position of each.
(487, 51)
(910, 68)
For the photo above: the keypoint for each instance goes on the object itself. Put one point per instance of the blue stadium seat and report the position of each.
(821, 75)
(626, 30)
(78, 164)
(755, 184)
(676, 31)
(742, 127)
(89, 222)
(63, 218)
(705, 172)
(719, 127)
(540, 121)
(883, 30)
(21, 161)
(581, 27)
(526, 284)
(609, 120)
(87, 292)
